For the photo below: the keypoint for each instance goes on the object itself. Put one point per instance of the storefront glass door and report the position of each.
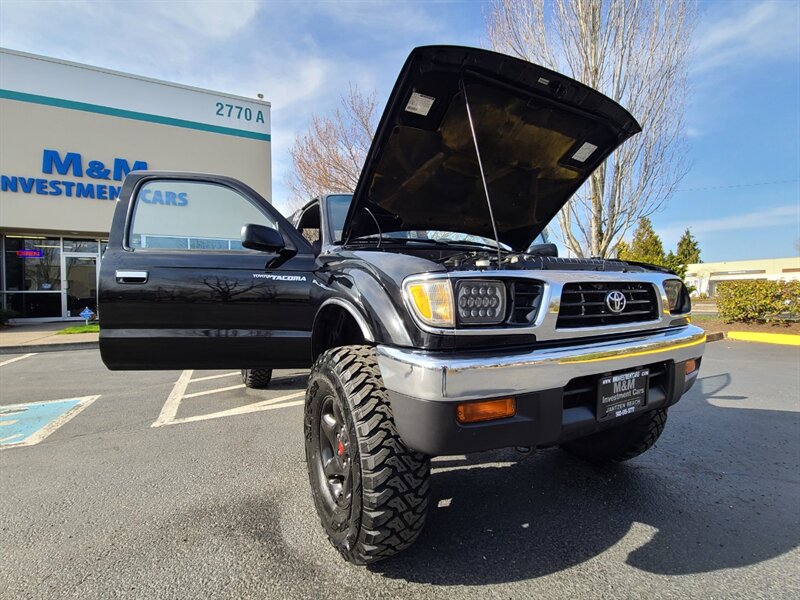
(80, 283)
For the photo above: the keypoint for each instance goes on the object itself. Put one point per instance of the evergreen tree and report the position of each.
(622, 250)
(646, 245)
(688, 249)
(673, 262)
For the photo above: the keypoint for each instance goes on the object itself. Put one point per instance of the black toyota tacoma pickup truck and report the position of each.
(431, 320)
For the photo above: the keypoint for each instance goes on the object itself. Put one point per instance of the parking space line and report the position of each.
(11, 360)
(217, 376)
(169, 411)
(214, 391)
(170, 408)
(273, 403)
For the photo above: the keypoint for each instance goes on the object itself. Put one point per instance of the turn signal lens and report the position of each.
(474, 412)
(691, 366)
(432, 301)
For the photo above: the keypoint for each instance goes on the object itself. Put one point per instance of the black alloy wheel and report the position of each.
(334, 456)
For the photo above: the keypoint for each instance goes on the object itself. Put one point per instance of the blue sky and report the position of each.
(741, 196)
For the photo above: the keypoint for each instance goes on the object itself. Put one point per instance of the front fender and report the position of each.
(370, 304)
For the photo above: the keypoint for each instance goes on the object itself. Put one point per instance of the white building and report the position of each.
(69, 134)
(705, 276)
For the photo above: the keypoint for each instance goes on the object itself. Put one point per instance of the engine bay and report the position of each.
(480, 260)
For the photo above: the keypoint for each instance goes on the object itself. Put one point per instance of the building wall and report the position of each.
(705, 276)
(109, 119)
(69, 134)
(103, 138)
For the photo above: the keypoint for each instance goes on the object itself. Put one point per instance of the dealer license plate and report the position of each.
(621, 394)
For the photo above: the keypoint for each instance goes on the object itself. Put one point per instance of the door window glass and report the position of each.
(192, 215)
(33, 264)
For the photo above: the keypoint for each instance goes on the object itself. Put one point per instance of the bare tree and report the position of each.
(635, 52)
(329, 157)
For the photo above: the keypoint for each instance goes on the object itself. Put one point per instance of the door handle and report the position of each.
(131, 276)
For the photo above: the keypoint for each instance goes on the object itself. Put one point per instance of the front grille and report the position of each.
(526, 298)
(584, 304)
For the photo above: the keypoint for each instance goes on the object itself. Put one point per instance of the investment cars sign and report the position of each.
(73, 164)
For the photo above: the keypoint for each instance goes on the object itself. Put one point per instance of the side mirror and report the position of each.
(260, 237)
(543, 250)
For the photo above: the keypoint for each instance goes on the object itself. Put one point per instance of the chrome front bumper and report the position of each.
(455, 377)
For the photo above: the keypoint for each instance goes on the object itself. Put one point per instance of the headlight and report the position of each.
(481, 302)
(432, 301)
(677, 296)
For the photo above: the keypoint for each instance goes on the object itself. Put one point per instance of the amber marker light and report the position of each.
(486, 410)
(432, 301)
(691, 366)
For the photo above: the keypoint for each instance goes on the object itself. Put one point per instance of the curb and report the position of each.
(31, 348)
(715, 336)
(784, 339)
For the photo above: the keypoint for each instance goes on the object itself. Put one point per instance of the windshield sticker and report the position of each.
(419, 104)
(584, 152)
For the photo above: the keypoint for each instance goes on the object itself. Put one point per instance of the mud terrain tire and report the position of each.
(370, 490)
(623, 442)
(257, 379)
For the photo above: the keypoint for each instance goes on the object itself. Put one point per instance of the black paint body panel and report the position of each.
(205, 309)
(254, 309)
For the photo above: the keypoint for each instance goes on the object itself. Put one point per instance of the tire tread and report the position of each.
(621, 443)
(256, 379)
(395, 479)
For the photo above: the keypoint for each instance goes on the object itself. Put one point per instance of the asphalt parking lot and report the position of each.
(171, 484)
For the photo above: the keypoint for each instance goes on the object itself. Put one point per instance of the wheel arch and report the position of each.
(339, 323)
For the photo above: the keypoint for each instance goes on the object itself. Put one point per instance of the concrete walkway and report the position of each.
(43, 337)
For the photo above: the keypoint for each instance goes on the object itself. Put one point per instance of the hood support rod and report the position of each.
(483, 176)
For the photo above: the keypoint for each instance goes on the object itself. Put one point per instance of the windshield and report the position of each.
(337, 211)
(339, 204)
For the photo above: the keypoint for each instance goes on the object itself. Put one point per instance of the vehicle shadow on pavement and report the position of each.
(719, 491)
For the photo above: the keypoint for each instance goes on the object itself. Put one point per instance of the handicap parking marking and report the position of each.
(30, 423)
(16, 358)
(169, 412)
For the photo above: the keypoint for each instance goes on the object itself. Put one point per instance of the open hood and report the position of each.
(540, 135)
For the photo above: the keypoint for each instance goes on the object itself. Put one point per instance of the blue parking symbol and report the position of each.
(28, 424)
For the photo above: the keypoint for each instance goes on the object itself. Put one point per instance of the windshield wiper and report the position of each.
(427, 241)
(473, 244)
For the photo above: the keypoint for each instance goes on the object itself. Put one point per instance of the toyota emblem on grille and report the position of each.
(615, 301)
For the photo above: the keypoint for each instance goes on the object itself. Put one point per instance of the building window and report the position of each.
(32, 264)
(34, 306)
(89, 246)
